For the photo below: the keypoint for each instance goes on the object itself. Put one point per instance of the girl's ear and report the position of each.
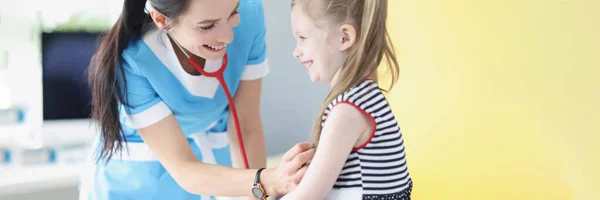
(348, 36)
(159, 19)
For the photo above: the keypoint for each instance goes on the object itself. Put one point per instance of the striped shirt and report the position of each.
(377, 169)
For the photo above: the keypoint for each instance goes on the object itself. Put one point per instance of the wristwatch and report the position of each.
(257, 190)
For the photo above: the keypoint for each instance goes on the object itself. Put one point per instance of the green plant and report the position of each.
(81, 22)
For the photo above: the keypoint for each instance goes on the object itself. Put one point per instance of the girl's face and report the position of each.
(206, 27)
(318, 50)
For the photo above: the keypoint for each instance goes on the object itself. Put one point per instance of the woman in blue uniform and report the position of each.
(166, 125)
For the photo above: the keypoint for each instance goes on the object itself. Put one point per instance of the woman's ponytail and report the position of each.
(104, 68)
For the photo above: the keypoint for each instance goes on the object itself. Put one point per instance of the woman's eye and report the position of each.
(206, 28)
(235, 12)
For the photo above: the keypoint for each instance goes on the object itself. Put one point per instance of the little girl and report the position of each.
(360, 151)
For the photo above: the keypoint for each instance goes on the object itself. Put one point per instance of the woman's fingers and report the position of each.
(297, 149)
(302, 159)
(300, 174)
(293, 166)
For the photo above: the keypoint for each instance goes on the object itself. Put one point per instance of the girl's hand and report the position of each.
(283, 179)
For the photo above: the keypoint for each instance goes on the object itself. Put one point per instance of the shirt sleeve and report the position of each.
(143, 106)
(256, 65)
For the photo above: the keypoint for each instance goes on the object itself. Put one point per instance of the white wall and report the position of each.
(290, 102)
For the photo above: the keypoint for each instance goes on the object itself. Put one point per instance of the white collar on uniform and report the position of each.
(202, 86)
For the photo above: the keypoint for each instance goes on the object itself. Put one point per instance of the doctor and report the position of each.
(166, 125)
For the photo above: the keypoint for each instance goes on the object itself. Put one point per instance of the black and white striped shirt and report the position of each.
(378, 169)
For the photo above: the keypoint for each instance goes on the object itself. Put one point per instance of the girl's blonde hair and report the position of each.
(373, 42)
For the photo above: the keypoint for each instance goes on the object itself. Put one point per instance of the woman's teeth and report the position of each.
(216, 47)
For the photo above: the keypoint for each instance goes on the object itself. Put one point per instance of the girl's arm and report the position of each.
(170, 146)
(345, 127)
(247, 103)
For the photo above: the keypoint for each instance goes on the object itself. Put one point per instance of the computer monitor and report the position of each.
(65, 59)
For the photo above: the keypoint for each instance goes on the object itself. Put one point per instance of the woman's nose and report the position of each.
(226, 35)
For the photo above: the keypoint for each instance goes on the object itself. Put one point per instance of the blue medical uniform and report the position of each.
(157, 86)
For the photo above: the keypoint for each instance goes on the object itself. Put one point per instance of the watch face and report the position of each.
(257, 193)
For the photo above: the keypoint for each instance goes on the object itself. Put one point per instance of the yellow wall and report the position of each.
(499, 99)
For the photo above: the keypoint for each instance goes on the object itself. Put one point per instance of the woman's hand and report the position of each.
(283, 179)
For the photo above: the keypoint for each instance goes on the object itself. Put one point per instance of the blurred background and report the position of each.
(496, 99)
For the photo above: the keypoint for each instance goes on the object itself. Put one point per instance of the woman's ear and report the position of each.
(159, 19)
(348, 36)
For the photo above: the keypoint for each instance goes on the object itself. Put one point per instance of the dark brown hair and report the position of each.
(105, 67)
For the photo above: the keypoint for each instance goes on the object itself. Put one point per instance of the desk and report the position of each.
(52, 132)
(23, 180)
(18, 180)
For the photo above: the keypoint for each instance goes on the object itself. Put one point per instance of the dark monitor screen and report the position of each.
(65, 60)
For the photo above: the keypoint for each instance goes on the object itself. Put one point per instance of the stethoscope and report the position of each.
(219, 76)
